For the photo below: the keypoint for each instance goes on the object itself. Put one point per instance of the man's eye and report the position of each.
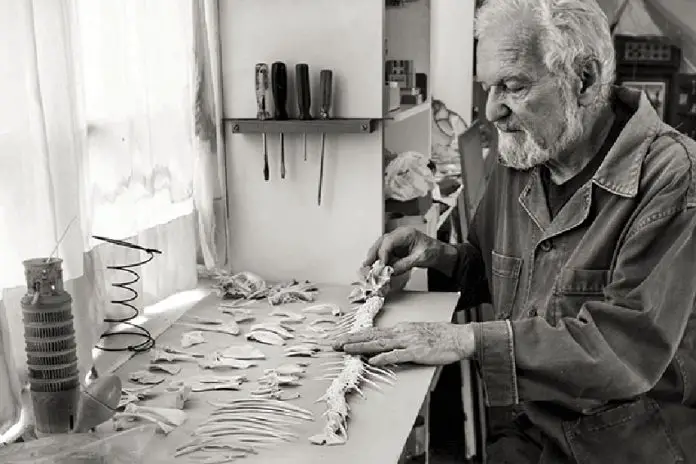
(514, 87)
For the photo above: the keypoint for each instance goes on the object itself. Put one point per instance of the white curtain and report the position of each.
(136, 60)
(40, 139)
(100, 110)
(210, 185)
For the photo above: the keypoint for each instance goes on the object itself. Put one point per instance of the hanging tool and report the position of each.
(304, 100)
(325, 78)
(262, 108)
(280, 98)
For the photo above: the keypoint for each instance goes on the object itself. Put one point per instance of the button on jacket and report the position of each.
(595, 330)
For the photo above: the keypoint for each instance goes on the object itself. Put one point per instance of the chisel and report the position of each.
(304, 100)
(325, 78)
(280, 97)
(262, 108)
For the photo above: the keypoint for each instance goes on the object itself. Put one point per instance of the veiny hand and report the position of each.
(403, 249)
(431, 343)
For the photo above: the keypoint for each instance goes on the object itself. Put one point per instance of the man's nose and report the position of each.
(495, 108)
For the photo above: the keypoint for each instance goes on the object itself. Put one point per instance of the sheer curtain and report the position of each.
(109, 123)
(136, 60)
(210, 183)
(40, 152)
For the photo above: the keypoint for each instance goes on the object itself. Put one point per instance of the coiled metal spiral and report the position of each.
(128, 302)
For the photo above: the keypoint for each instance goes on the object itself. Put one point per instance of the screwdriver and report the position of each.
(262, 108)
(325, 78)
(304, 101)
(280, 96)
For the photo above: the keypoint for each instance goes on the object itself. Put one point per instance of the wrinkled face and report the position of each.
(535, 113)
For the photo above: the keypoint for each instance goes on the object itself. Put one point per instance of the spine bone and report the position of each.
(348, 380)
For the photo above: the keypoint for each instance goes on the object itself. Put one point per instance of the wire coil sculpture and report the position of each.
(127, 302)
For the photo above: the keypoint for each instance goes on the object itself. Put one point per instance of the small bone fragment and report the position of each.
(264, 336)
(171, 369)
(273, 377)
(181, 395)
(166, 418)
(271, 327)
(244, 318)
(299, 353)
(201, 320)
(222, 379)
(326, 439)
(288, 316)
(233, 429)
(191, 338)
(170, 349)
(230, 328)
(133, 395)
(302, 349)
(232, 385)
(324, 308)
(286, 326)
(146, 378)
(172, 416)
(321, 320)
(119, 420)
(239, 314)
(210, 383)
(246, 351)
(161, 356)
(201, 444)
(215, 361)
(235, 308)
(262, 404)
(291, 369)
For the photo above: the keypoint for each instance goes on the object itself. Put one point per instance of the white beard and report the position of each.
(528, 153)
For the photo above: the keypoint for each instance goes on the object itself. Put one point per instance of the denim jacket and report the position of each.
(595, 321)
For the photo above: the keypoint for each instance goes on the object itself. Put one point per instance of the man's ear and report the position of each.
(589, 85)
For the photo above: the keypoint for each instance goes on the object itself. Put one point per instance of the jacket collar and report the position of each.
(620, 171)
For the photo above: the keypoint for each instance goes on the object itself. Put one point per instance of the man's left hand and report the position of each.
(432, 343)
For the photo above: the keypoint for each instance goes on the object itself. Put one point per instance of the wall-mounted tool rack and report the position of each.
(314, 126)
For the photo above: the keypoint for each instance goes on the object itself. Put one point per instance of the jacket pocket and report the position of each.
(506, 276)
(579, 282)
(573, 288)
(632, 433)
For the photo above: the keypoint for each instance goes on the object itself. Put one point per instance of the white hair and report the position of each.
(572, 34)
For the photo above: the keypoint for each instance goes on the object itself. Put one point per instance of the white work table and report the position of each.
(379, 423)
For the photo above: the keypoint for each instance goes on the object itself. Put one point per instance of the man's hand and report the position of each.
(405, 248)
(432, 343)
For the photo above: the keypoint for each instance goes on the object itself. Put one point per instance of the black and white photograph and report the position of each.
(348, 231)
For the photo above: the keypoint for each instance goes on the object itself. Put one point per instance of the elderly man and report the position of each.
(583, 242)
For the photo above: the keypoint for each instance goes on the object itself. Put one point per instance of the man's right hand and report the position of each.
(407, 247)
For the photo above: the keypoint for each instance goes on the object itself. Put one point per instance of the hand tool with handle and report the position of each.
(280, 97)
(262, 111)
(304, 101)
(325, 78)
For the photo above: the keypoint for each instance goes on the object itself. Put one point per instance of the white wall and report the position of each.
(452, 54)
(276, 228)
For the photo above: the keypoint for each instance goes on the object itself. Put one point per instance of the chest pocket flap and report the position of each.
(506, 276)
(582, 282)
